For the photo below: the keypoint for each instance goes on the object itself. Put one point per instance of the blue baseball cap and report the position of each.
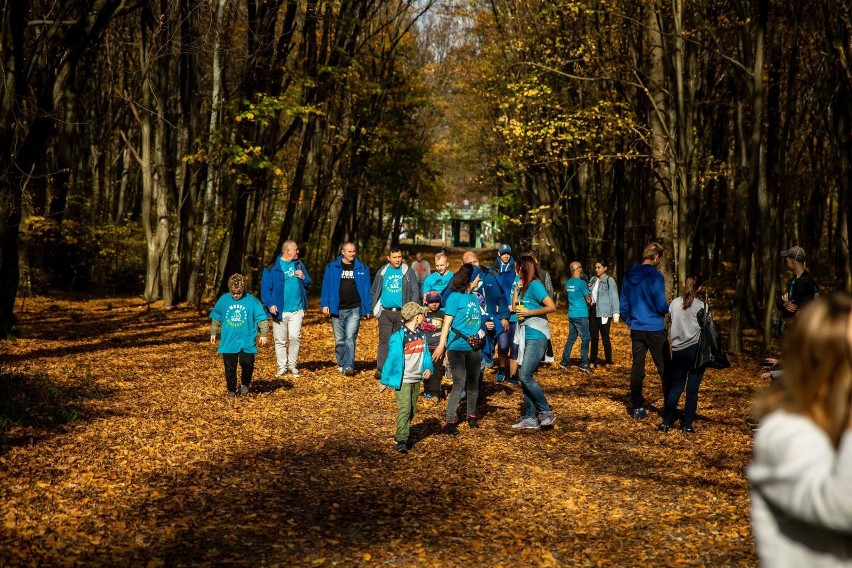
(504, 248)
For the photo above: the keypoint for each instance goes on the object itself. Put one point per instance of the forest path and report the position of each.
(137, 458)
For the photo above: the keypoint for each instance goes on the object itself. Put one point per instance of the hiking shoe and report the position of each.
(450, 429)
(585, 369)
(546, 418)
(295, 372)
(564, 366)
(349, 371)
(526, 424)
(402, 447)
(244, 390)
(639, 413)
(232, 394)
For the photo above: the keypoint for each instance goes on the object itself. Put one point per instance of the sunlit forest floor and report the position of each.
(119, 448)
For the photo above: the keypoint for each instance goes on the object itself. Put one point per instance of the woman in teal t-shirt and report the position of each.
(238, 317)
(462, 318)
(532, 336)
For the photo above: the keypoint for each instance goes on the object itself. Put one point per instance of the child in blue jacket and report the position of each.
(239, 317)
(408, 362)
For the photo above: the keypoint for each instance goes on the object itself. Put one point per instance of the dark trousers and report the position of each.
(432, 385)
(465, 367)
(658, 344)
(389, 322)
(683, 376)
(597, 328)
(246, 362)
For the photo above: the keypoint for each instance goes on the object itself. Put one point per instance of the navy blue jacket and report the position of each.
(643, 298)
(272, 285)
(496, 299)
(330, 295)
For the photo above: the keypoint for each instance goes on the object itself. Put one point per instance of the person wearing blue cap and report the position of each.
(503, 271)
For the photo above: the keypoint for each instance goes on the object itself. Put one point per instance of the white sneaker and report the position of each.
(281, 372)
(294, 371)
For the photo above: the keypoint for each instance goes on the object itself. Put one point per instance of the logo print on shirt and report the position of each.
(393, 283)
(236, 315)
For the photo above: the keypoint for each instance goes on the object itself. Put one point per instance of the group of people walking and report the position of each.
(800, 474)
(476, 317)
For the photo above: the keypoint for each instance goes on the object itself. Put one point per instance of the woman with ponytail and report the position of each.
(685, 332)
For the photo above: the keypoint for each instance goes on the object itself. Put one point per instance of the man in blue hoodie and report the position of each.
(503, 271)
(644, 307)
(345, 298)
(282, 291)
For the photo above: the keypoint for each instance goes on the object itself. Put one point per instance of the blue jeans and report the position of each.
(345, 326)
(533, 395)
(682, 376)
(577, 326)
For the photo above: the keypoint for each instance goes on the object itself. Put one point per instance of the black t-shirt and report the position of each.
(349, 298)
(432, 325)
(801, 290)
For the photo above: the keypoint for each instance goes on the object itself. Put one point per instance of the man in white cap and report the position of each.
(802, 287)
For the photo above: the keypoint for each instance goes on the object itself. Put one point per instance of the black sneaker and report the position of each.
(402, 447)
(639, 413)
(378, 374)
(450, 429)
(663, 427)
(471, 422)
(687, 430)
(349, 371)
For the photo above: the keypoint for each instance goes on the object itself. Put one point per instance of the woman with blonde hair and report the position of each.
(801, 471)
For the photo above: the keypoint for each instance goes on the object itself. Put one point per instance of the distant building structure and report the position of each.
(468, 224)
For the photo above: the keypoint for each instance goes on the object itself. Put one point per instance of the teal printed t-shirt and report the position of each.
(240, 319)
(392, 288)
(576, 289)
(467, 319)
(292, 286)
(437, 281)
(533, 299)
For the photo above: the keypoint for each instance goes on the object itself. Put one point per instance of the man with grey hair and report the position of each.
(282, 291)
(345, 298)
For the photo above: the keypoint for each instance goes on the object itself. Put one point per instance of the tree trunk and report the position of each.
(197, 277)
(662, 182)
